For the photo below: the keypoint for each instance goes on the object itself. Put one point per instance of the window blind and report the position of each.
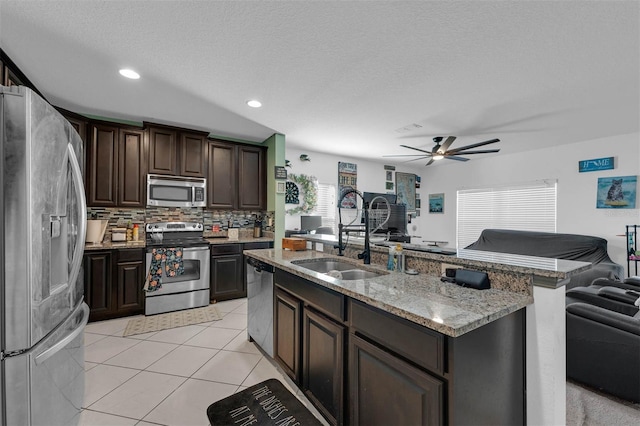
(523, 207)
(326, 206)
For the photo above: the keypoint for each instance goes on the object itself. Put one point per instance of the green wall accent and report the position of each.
(275, 202)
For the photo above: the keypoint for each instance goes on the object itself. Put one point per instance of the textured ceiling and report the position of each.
(342, 77)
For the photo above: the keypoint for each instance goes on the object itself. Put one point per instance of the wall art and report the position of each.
(347, 179)
(617, 192)
(303, 191)
(406, 190)
(436, 203)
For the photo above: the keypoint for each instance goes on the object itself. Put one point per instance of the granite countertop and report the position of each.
(109, 245)
(241, 239)
(559, 269)
(423, 299)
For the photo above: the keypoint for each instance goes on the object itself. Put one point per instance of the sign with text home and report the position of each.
(605, 163)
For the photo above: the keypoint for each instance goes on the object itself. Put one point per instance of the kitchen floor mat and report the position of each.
(172, 320)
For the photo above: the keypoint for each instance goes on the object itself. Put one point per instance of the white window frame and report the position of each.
(326, 205)
(529, 206)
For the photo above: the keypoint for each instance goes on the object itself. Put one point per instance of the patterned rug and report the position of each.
(172, 320)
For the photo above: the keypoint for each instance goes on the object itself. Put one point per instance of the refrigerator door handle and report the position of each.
(42, 357)
(82, 215)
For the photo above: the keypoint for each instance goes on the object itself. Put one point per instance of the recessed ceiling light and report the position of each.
(254, 104)
(129, 73)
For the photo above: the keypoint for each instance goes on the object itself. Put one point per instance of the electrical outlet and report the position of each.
(445, 266)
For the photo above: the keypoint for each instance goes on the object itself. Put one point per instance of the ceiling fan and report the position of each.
(441, 150)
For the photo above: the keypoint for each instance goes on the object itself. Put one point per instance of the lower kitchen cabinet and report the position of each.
(362, 365)
(309, 335)
(227, 279)
(286, 324)
(323, 364)
(113, 281)
(98, 288)
(130, 276)
(385, 390)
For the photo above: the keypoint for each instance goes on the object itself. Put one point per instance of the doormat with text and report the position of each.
(172, 320)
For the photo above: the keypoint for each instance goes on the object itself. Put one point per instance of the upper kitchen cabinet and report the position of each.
(177, 152)
(237, 176)
(222, 180)
(252, 178)
(115, 166)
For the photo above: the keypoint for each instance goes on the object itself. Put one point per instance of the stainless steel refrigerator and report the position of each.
(42, 228)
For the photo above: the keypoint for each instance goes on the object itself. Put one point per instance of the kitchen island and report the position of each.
(471, 342)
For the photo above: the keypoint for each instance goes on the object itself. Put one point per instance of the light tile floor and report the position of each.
(170, 377)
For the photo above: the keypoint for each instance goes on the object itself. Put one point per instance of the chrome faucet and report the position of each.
(366, 254)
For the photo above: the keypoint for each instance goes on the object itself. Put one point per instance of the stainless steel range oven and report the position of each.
(190, 289)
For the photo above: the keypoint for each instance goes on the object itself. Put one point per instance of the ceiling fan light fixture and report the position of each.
(438, 157)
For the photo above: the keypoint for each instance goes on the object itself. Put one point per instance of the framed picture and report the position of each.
(389, 186)
(281, 187)
(347, 179)
(389, 176)
(617, 192)
(436, 203)
(406, 190)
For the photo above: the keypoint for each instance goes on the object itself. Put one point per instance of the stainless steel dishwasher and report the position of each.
(260, 303)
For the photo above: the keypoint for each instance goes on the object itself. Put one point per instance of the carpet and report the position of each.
(171, 320)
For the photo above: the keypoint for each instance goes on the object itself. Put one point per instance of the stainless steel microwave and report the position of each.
(176, 191)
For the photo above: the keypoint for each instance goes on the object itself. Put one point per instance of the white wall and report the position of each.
(371, 177)
(577, 211)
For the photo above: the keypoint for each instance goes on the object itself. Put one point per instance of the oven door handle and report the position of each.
(201, 248)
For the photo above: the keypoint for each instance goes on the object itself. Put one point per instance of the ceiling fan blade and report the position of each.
(480, 151)
(430, 161)
(445, 146)
(455, 157)
(417, 149)
(407, 155)
(475, 145)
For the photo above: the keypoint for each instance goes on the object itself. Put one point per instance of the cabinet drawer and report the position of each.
(129, 255)
(217, 249)
(258, 245)
(415, 343)
(327, 301)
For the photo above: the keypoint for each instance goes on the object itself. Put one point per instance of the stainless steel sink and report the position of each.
(347, 271)
(358, 274)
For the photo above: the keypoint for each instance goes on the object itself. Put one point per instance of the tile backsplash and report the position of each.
(121, 217)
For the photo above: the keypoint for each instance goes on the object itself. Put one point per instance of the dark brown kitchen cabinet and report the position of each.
(163, 151)
(102, 165)
(309, 341)
(193, 154)
(237, 176)
(323, 364)
(130, 275)
(222, 181)
(113, 281)
(386, 390)
(252, 193)
(227, 272)
(98, 289)
(287, 313)
(177, 152)
(115, 166)
(132, 172)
